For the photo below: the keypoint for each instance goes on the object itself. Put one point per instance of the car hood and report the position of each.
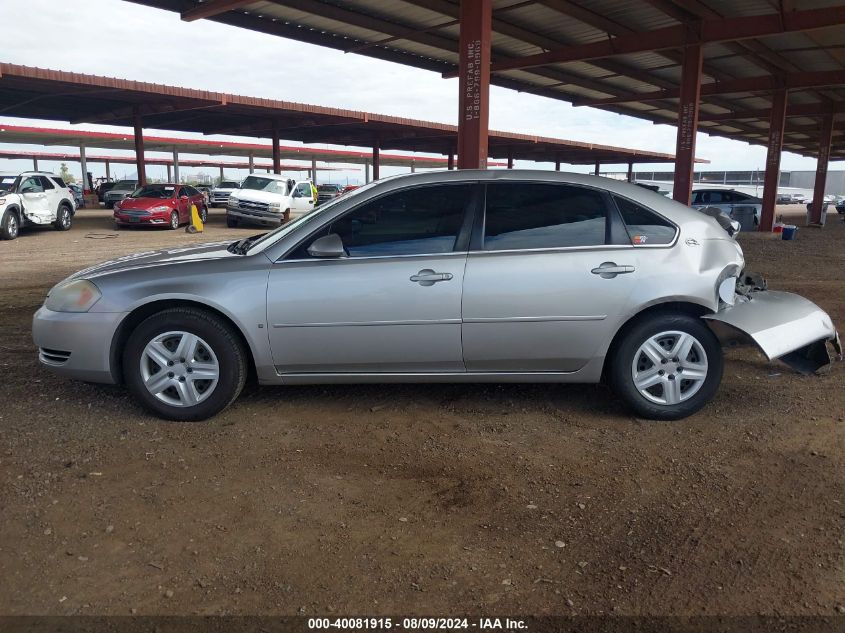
(146, 259)
(253, 195)
(145, 203)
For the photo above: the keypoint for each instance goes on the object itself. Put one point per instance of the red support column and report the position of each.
(139, 149)
(821, 170)
(772, 177)
(630, 172)
(277, 152)
(510, 158)
(687, 123)
(375, 159)
(474, 81)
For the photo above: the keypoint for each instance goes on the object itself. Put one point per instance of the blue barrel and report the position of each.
(790, 232)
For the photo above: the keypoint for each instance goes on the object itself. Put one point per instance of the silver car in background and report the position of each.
(458, 276)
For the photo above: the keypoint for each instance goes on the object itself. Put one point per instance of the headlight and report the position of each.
(160, 208)
(76, 296)
(233, 200)
(275, 207)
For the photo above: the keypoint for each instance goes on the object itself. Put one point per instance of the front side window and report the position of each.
(530, 215)
(303, 190)
(644, 226)
(31, 184)
(412, 222)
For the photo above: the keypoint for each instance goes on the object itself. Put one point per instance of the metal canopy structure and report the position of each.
(56, 95)
(28, 135)
(763, 71)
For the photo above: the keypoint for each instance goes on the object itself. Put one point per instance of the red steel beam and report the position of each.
(825, 139)
(772, 178)
(690, 98)
(277, 151)
(211, 8)
(701, 32)
(764, 83)
(809, 110)
(376, 159)
(139, 148)
(474, 83)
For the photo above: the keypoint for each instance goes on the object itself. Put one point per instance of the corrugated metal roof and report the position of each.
(406, 32)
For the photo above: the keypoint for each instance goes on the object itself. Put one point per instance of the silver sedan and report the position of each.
(460, 276)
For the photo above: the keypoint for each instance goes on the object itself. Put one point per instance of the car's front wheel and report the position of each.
(174, 220)
(204, 214)
(667, 367)
(9, 227)
(184, 364)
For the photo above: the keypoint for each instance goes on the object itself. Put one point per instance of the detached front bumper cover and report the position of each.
(782, 325)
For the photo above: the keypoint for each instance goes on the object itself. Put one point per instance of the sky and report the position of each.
(121, 39)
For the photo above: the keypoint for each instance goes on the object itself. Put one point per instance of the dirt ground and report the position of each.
(431, 499)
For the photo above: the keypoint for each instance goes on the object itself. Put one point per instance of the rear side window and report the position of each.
(529, 215)
(45, 182)
(419, 221)
(60, 182)
(644, 226)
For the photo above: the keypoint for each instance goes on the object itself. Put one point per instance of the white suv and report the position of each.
(34, 198)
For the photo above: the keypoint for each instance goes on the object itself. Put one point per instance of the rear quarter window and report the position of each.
(644, 226)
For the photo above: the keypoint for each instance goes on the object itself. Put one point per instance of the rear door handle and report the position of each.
(427, 277)
(609, 270)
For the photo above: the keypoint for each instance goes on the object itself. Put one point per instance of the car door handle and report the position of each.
(427, 277)
(609, 270)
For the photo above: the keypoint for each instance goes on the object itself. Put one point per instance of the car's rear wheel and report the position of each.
(231, 222)
(63, 219)
(667, 367)
(9, 228)
(184, 364)
(174, 220)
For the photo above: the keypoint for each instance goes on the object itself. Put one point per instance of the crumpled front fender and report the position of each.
(782, 325)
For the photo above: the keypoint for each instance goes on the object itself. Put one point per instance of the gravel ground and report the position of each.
(429, 499)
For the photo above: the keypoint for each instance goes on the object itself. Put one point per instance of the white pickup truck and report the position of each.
(34, 198)
(268, 199)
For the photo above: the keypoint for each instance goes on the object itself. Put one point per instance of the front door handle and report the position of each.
(427, 277)
(609, 270)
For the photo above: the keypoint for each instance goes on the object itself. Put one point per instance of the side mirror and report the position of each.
(330, 246)
(183, 197)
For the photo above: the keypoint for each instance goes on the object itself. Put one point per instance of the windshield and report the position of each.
(125, 184)
(277, 234)
(328, 188)
(258, 183)
(7, 183)
(161, 192)
(229, 184)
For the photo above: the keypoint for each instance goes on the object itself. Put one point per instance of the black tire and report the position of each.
(621, 372)
(174, 220)
(64, 218)
(10, 226)
(231, 222)
(213, 332)
(204, 214)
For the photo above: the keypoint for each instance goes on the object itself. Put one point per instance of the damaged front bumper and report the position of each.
(782, 325)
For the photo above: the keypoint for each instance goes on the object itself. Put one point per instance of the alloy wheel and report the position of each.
(669, 367)
(12, 226)
(179, 368)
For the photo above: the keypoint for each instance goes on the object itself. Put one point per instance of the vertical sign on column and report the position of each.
(474, 80)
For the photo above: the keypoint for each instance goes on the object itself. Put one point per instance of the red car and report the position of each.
(160, 205)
